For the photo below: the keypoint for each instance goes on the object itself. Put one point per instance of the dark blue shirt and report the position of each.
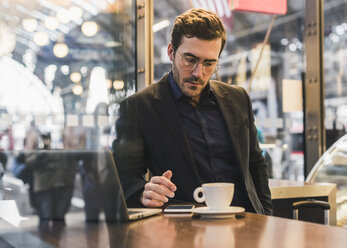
(209, 141)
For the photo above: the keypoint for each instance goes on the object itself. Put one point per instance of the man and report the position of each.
(188, 130)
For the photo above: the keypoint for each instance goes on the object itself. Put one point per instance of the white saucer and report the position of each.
(229, 212)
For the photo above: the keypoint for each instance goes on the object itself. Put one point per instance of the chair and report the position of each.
(312, 210)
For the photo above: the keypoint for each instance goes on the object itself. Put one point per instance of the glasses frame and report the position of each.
(198, 61)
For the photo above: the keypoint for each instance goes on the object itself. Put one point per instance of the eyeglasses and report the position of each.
(190, 63)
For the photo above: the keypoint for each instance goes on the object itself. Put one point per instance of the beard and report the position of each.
(175, 73)
(183, 83)
(192, 78)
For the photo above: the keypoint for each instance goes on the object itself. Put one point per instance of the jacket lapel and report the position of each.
(165, 106)
(228, 107)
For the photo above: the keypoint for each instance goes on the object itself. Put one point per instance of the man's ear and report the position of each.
(170, 51)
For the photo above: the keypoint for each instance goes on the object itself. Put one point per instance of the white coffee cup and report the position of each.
(215, 195)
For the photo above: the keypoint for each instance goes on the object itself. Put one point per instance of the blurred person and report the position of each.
(53, 180)
(3, 159)
(6, 140)
(266, 155)
(46, 141)
(74, 138)
(188, 130)
(98, 185)
(50, 175)
(19, 168)
(3, 162)
(32, 137)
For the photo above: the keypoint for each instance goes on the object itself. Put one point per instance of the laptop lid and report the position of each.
(121, 212)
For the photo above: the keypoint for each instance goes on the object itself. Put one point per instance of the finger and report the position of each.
(160, 189)
(148, 202)
(152, 203)
(164, 181)
(152, 195)
(167, 174)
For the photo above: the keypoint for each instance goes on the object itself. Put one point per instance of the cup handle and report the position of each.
(196, 193)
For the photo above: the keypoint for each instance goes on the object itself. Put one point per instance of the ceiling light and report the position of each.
(109, 83)
(63, 16)
(60, 50)
(75, 77)
(89, 29)
(41, 38)
(292, 47)
(113, 44)
(118, 84)
(160, 25)
(65, 69)
(51, 23)
(29, 24)
(75, 12)
(284, 41)
(77, 89)
(84, 70)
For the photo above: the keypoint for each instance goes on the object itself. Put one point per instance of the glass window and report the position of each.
(331, 167)
(64, 67)
(280, 133)
(335, 57)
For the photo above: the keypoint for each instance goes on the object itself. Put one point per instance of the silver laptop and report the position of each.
(121, 211)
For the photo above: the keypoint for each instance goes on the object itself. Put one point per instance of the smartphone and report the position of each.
(179, 209)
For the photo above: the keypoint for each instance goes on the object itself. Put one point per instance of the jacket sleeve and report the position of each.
(129, 152)
(257, 166)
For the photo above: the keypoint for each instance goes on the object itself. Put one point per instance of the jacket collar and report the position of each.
(165, 106)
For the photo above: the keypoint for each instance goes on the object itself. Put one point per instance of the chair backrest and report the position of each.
(312, 210)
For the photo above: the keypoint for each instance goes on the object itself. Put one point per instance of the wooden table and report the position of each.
(248, 230)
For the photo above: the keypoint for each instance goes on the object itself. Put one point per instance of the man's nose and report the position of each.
(197, 72)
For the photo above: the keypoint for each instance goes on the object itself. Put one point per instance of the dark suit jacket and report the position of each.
(150, 136)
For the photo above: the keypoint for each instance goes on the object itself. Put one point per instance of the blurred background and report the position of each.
(66, 65)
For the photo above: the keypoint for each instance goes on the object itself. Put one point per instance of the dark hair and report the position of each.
(200, 23)
(46, 135)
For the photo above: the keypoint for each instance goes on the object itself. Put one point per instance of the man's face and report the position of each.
(193, 81)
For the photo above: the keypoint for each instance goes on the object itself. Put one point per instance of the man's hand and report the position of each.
(157, 190)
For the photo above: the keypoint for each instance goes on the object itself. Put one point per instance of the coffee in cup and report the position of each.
(215, 195)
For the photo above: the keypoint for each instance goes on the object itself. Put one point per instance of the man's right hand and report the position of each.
(157, 190)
